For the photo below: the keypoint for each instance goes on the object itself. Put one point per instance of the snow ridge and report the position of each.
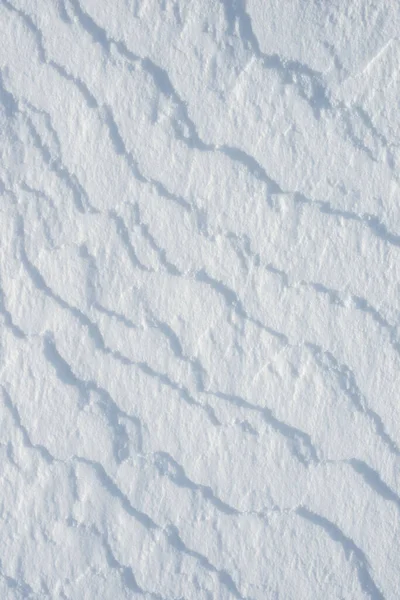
(199, 307)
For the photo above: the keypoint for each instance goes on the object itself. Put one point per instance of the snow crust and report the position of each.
(199, 299)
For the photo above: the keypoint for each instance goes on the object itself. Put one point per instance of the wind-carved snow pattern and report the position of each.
(199, 300)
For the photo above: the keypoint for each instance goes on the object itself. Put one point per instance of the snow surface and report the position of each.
(200, 309)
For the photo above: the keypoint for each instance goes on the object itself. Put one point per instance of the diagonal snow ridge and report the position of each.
(199, 300)
(162, 81)
(350, 548)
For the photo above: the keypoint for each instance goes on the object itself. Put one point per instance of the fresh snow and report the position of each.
(199, 299)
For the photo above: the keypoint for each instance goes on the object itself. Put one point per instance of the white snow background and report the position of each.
(200, 308)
